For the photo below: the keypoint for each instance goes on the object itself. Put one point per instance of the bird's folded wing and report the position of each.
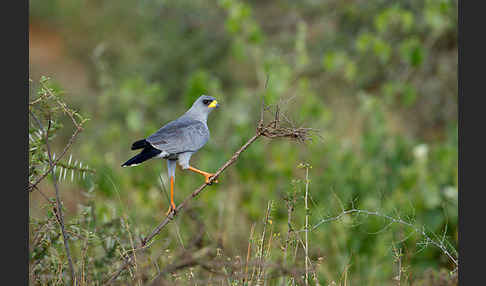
(181, 135)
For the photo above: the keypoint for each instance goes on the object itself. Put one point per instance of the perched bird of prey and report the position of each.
(177, 141)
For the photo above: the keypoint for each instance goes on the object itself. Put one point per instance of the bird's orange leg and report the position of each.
(172, 205)
(205, 174)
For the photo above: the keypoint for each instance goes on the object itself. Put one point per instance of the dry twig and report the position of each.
(306, 225)
(261, 266)
(248, 254)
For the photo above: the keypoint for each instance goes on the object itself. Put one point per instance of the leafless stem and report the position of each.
(398, 259)
(290, 202)
(306, 226)
(248, 254)
(262, 243)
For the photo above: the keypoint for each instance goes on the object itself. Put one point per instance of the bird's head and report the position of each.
(203, 106)
(207, 102)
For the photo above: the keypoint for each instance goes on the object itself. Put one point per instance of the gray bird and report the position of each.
(177, 141)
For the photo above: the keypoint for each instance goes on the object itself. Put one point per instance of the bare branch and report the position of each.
(306, 225)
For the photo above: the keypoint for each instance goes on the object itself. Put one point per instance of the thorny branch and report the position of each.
(79, 127)
(271, 130)
(33, 186)
(428, 239)
(58, 209)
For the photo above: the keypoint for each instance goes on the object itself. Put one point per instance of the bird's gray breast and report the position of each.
(179, 136)
(199, 136)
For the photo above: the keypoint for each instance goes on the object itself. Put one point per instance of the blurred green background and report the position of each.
(378, 79)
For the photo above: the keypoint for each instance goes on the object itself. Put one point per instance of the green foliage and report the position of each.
(339, 62)
(48, 106)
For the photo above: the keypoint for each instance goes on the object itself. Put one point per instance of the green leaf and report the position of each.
(412, 51)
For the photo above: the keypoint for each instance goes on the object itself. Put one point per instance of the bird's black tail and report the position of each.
(147, 153)
(140, 144)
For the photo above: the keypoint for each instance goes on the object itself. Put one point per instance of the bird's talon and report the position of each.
(171, 208)
(208, 180)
